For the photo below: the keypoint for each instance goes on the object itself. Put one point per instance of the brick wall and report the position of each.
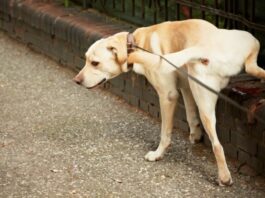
(65, 34)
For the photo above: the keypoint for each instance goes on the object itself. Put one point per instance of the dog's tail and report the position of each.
(251, 65)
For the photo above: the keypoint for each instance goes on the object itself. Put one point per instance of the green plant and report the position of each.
(66, 3)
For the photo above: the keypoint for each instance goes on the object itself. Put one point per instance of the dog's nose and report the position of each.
(78, 79)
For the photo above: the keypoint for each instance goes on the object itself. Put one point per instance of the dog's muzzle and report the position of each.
(101, 82)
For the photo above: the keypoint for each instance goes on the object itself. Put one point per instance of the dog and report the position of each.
(210, 54)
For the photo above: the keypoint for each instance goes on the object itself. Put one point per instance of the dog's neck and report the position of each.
(130, 64)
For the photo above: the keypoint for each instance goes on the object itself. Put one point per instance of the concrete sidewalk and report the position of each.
(60, 140)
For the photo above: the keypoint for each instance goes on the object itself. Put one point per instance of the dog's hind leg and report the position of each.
(206, 102)
(251, 65)
(209, 120)
(192, 54)
(192, 116)
(188, 55)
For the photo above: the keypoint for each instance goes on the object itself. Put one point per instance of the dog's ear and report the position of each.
(119, 50)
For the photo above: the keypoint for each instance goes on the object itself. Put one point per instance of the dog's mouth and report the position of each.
(101, 82)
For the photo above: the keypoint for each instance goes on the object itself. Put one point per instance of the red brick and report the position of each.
(256, 164)
(230, 150)
(243, 156)
(261, 151)
(144, 105)
(154, 111)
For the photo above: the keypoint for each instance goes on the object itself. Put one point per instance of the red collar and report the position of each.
(130, 47)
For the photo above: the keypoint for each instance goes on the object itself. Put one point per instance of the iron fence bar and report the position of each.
(203, 12)
(226, 10)
(166, 10)
(245, 11)
(229, 10)
(178, 12)
(133, 7)
(236, 12)
(143, 9)
(123, 5)
(190, 11)
(216, 16)
(232, 21)
(155, 11)
(228, 15)
(150, 3)
(113, 4)
(252, 15)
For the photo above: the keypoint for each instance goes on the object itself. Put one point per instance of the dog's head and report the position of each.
(105, 59)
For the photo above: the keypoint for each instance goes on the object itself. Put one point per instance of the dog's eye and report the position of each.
(94, 63)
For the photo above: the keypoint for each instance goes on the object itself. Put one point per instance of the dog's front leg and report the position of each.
(167, 106)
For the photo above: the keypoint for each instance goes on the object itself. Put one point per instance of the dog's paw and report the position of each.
(152, 156)
(225, 180)
(195, 138)
(228, 182)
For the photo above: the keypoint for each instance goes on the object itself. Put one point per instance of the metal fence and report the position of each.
(230, 14)
(243, 14)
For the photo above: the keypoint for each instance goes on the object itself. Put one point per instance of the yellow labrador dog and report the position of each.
(210, 54)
